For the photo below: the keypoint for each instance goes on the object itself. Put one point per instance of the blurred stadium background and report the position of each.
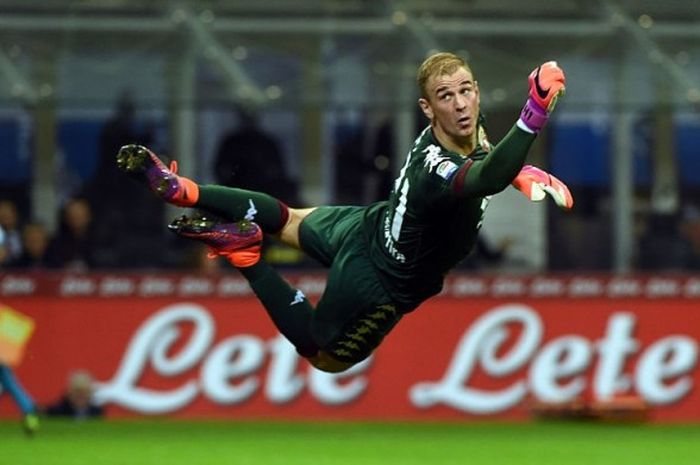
(334, 82)
(330, 86)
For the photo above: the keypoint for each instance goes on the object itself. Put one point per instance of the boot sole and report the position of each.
(187, 227)
(135, 160)
(184, 226)
(132, 159)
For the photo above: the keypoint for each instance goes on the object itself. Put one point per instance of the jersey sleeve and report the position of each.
(493, 173)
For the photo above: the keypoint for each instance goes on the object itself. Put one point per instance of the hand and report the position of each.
(546, 86)
(535, 184)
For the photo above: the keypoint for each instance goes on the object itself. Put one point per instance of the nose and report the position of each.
(460, 102)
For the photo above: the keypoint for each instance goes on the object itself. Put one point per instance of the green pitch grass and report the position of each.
(170, 442)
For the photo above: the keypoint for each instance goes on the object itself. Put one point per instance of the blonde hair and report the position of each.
(438, 64)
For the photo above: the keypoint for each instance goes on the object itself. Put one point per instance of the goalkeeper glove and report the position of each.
(535, 184)
(546, 84)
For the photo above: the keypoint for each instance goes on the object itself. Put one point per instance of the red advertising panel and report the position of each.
(191, 347)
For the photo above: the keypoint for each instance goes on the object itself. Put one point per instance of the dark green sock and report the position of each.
(289, 309)
(236, 204)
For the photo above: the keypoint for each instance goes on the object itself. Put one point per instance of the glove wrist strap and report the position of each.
(533, 116)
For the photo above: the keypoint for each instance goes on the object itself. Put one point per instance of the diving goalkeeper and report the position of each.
(384, 259)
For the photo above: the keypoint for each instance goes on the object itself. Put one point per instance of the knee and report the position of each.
(290, 231)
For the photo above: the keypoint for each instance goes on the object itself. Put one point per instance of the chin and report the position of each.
(464, 133)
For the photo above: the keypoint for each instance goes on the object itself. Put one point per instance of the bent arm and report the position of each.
(478, 178)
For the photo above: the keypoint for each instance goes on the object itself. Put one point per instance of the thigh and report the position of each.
(355, 313)
(325, 231)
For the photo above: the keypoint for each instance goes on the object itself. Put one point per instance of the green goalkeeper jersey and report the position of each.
(431, 220)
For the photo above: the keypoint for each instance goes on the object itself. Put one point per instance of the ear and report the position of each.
(476, 90)
(427, 109)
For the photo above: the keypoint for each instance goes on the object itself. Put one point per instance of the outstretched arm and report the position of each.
(492, 174)
(495, 172)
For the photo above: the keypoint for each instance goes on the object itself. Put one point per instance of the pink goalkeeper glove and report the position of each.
(546, 84)
(535, 184)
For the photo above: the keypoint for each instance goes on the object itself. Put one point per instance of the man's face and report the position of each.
(452, 104)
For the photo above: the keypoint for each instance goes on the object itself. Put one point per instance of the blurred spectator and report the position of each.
(351, 164)
(250, 158)
(690, 228)
(35, 242)
(77, 402)
(119, 130)
(380, 175)
(126, 220)
(10, 339)
(72, 246)
(3, 249)
(662, 247)
(9, 221)
(9, 383)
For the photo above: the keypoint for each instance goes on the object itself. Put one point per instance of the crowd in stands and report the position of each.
(665, 242)
(111, 224)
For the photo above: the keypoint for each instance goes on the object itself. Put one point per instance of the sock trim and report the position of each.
(284, 216)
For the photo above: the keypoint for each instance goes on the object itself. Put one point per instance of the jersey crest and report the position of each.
(433, 157)
(446, 169)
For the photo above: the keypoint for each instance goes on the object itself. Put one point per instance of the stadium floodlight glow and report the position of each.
(399, 18)
(645, 21)
(273, 92)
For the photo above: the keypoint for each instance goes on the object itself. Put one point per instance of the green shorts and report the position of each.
(355, 312)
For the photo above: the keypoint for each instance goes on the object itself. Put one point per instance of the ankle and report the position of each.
(256, 272)
(189, 193)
